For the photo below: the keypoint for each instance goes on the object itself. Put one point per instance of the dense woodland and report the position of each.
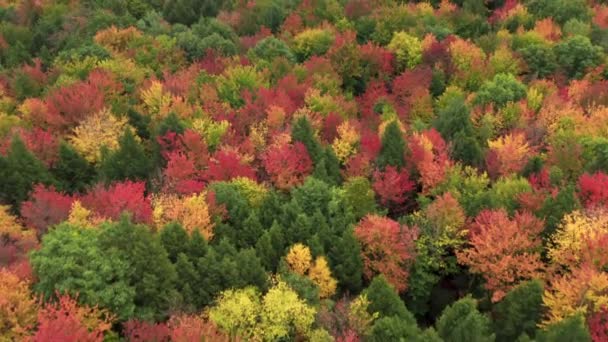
(303, 170)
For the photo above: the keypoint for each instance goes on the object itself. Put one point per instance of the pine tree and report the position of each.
(174, 239)
(385, 301)
(20, 170)
(345, 261)
(128, 162)
(72, 172)
(270, 247)
(572, 328)
(303, 132)
(519, 312)
(393, 147)
(462, 321)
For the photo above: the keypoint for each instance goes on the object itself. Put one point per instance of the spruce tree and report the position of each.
(20, 170)
(393, 147)
(303, 132)
(270, 247)
(128, 162)
(519, 312)
(386, 302)
(174, 239)
(345, 261)
(462, 321)
(72, 172)
(569, 329)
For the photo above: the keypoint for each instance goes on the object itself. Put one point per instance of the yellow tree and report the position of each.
(344, 145)
(511, 152)
(18, 310)
(191, 211)
(242, 313)
(584, 291)
(320, 274)
(101, 129)
(299, 258)
(569, 247)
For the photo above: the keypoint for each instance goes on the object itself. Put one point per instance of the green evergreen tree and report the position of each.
(72, 172)
(198, 247)
(392, 151)
(386, 302)
(462, 322)
(270, 247)
(303, 132)
(569, 329)
(151, 273)
(174, 239)
(128, 162)
(345, 261)
(251, 271)
(519, 312)
(188, 12)
(396, 329)
(188, 280)
(20, 170)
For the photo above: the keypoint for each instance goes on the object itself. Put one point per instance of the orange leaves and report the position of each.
(299, 260)
(66, 321)
(504, 251)
(17, 307)
(584, 291)
(191, 211)
(508, 154)
(430, 156)
(387, 248)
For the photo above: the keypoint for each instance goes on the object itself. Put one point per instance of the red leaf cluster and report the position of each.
(287, 165)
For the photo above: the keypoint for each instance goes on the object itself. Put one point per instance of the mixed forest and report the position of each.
(304, 170)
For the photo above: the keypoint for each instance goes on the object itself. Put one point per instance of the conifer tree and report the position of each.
(128, 162)
(393, 147)
(72, 172)
(20, 170)
(462, 321)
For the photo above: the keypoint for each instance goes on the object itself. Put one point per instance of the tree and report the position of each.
(17, 307)
(287, 165)
(112, 201)
(359, 196)
(519, 311)
(175, 240)
(407, 50)
(569, 329)
(96, 131)
(392, 186)
(188, 12)
(320, 274)
(67, 321)
(385, 302)
(396, 329)
(462, 322)
(303, 132)
(279, 314)
(393, 147)
(511, 152)
(504, 251)
(387, 248)
(128, 162)
(429, 155)
(192, 212)
(593, 190)
(299, 258)
(46, 207)
(576, 55)
(72, 172)
(71, 260)
(19, 172)
(150, 272)
(502, 89)
(227, 165)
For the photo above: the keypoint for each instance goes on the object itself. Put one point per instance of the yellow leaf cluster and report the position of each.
(242, 313)
(100, 129)
(18, 310)
(211, 131)
(320, 274)
(8, 223)
(80, 216)
(254, 192)
(116, 39)
(299, 258)
(192, 212)
(157, 102)
(359, 316)
(584, 291)
(575, 228)
(512, 152)
(345, 144)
